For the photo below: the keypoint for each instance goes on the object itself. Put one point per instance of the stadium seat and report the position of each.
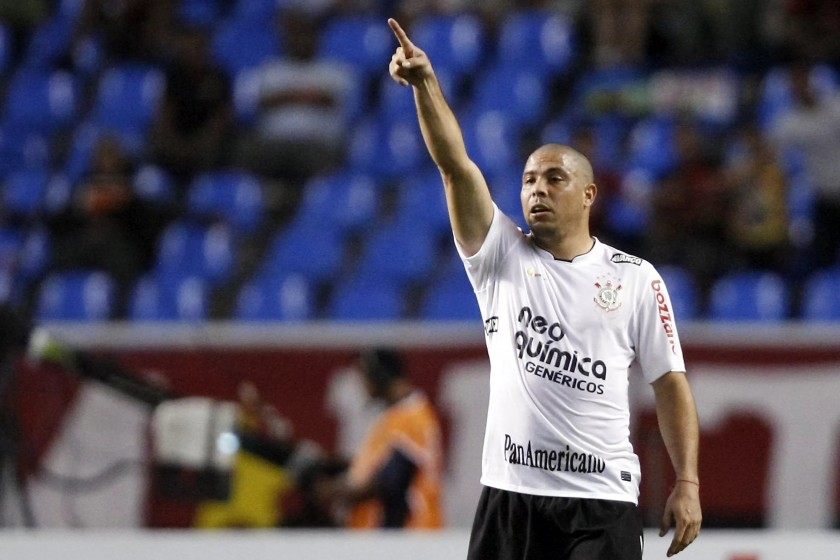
(278, 298)
(684, 292)
(363, 42)
(518, 91)
(389, 149)
(243, 42)
(352, 200)
(456, 44)
(775, 98)
(233, 197)
(492, 138)
(127, 99)
(11, 244)
(821, 296)
(651, 145)
(367, 300)
(537, 40)
(312, 250)
(41, 102)
(421, 200)
(208, 253)
(182, 298)
(153, 183)
(451, 297)
(79, 295)
(402, 251)
(750, 296)
(24, 193)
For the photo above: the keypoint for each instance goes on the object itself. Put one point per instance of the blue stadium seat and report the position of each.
(775, 98)
(24, 193)
(821, 296)
(403, 251)
(541, 41)
(35, 255)
(519, 91)
(6, 52)
(41, 102)
(79, 295)
(51, 39)
(363, 42)
(311, 250)
(208, 253)
(421, 200)
(455, 44)
(651, 145)
(11, 244)
(276, 298)
(233, 197)
(389, 149)
(242, 42)
(750, 296)
(492, 138)
(181, 298)
(349, 199)
(367, 300)
(127, 99)
(684, 292)
(451, 297)
(153, 183)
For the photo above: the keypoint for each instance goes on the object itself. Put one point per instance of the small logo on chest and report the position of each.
(608, 294)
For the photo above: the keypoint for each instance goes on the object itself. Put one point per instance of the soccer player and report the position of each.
(565, 317)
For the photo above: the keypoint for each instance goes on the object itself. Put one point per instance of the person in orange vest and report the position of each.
(394, 478)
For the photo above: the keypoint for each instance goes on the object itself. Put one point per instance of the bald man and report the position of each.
(565, 317)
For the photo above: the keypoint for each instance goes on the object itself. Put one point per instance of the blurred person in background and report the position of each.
(107, 226)
(394, 479)
(194, 124)
(301, 119)
(812, 128)
(758, 221)
(689, 221)
(128, 30)
(559, 473)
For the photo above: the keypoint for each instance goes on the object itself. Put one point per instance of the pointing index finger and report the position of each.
(402, 37)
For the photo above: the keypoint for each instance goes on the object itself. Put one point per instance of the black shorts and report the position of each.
(513, 526)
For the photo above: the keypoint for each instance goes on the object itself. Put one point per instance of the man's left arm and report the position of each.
(679, 426)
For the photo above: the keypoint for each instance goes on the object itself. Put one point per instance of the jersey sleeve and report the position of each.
(503, 233)
(658, 349)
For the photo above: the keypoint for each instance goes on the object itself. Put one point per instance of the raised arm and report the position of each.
(467, 195)
(677, 415)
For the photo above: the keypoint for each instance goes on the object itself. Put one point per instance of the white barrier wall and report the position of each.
(340, 545)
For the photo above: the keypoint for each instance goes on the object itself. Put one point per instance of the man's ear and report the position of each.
(590, 192)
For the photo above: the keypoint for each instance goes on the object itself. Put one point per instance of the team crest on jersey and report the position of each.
(608, 296)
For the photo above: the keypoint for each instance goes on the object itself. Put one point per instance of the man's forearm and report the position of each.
(678, 424)
(440, 127)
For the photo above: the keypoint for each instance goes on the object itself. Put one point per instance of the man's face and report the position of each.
(557, 191)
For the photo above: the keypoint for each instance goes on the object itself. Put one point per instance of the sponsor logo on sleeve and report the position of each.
(624, 258)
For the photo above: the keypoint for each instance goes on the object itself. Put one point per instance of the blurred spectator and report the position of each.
(394, 478)
(128, 30)
(195, 122)
(107, 227)
(812, 127)
(811, 28)
(301, 120)
(619, 31)
(758, 225)
(688, 225)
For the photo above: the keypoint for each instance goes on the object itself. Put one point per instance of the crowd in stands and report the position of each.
(250, 159)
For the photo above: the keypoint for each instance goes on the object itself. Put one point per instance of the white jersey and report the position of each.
(561, 336)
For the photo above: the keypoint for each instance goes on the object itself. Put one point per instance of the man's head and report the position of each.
(558, 191)
(381, 368)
